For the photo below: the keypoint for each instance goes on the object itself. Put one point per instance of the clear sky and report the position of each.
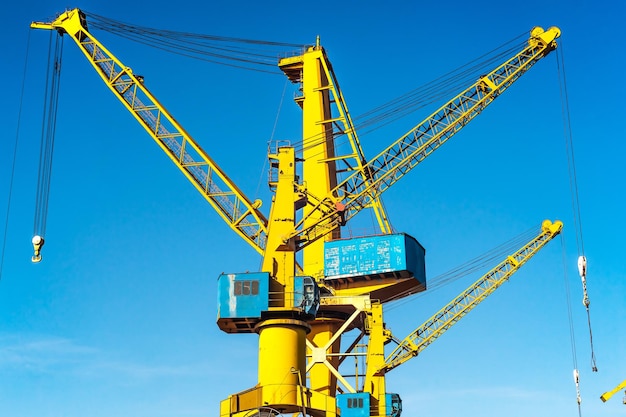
(119, 318)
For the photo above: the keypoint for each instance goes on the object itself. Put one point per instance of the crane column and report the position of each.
(282, 355)
(318, 162)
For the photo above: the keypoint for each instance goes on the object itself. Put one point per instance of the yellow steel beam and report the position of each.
(240, 213)
(355, 193)
(451, 313)
(607, 395)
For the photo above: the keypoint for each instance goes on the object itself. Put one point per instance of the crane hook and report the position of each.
(38, 242)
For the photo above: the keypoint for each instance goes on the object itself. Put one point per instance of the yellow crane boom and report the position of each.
(384, 170)
(456, 309)
(241, 214)
(607, 395)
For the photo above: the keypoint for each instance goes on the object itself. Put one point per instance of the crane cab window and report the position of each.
(355, 402)
(247, 287)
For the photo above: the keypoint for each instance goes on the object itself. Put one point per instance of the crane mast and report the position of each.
(301, 312)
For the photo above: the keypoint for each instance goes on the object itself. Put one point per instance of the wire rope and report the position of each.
(487, 259)
(572, 333)
(14, 159)
(573, 182)
(48, 132)
(280, 106)
(242, 53)
(112, 22)
(569, 147)
(246, 53)
(432, 92)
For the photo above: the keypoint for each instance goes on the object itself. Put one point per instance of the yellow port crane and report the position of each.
(341, 284)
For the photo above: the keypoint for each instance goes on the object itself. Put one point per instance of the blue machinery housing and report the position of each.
(385, 256)
(358, 405)
(243, 297)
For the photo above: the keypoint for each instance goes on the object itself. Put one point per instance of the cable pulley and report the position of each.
(582, 271)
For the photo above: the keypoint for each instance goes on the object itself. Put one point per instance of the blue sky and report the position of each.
(119, 318)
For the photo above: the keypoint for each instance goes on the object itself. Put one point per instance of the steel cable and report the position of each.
(48, 130)
(571, 165)
(487, 259)
(15, 145)
(437, 90)
(211, 48)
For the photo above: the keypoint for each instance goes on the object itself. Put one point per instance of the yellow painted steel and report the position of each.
(320, 173)
(399, 158)
(321, 378)
(279, 256)
(450, 314)
(282, 360)
(305, 212)
(314, 72)
(607, 395)
(325, 109)
(282, 346)
(241, 214)
(375, 383)
(349, 130)
(318, 151)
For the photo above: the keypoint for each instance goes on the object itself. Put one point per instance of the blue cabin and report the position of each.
(243, 298)
(386, 267)
(353, 404)
(397, 255)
